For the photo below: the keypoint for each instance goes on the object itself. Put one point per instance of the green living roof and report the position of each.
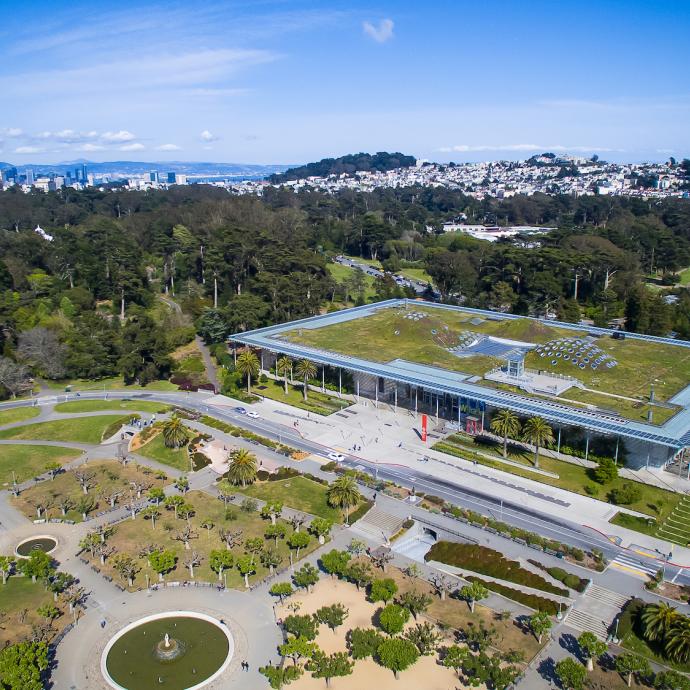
(427, 335)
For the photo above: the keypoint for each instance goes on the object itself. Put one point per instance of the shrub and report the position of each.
(626, 494)
(485, 561)
(531, 600)
(249, 505)
(629, 617)
(330, 466)
(263, 475)
(199, 461)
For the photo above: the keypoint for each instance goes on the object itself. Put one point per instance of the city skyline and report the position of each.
(273, 82)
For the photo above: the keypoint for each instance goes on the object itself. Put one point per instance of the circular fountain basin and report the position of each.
(137, 658)
(43, 543)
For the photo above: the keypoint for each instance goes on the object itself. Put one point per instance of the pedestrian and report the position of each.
(375, 495)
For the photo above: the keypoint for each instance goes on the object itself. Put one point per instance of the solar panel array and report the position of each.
(580, 352)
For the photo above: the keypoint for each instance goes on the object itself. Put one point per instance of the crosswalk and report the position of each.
(633, 566)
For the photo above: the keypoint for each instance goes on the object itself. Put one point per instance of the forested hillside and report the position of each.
(380, 162)
(88, 303)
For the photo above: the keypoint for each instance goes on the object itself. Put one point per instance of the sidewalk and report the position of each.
(392, 438)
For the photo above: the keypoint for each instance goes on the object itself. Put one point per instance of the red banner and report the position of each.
(424, 428)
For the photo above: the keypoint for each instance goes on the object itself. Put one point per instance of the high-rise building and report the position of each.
(172, 178)
(153, 176)
(29, 177)
(84, 172)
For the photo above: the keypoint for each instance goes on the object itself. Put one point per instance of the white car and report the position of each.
(337, 457)
(253, 414)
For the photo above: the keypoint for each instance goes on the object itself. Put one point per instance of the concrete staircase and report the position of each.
(596, 610)
(587, 623)
(378, 525)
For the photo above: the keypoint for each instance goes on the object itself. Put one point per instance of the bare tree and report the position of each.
(230, 538)
(141, 486)
(85, 479)
(41, 349)
(192, 561)
(297, 521)
(111, 497)
(14, 377)
(443, 584)
(381, 560)
(186, 535)
(64, 503)
(102, 550)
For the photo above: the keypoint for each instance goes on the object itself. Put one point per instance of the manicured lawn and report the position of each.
(105, 405)
(112, 383)
(342, 273)
(653, 501)
(18, 414)
(299, 493)
(319, 403)
(78, 429)
(132, 535)
(417, 274)
(30, 461)
(684, 277)
(640, 646)
(157, 450)
(108, 476)
(20, 594)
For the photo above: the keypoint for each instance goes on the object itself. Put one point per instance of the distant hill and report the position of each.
(349, 164)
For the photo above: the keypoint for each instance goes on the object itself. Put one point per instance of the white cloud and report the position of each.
(168, 147)
(122, 135)
(28, 149)
(380, 33)
(467, 148)
(90, 147)
(132, 147)
(11, 132)
(208, 136)
(212, 92)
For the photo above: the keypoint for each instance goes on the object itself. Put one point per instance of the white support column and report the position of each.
(234, 353)
(415, 403)
(558, 448)
(340, 382)
(376, 393)
(618, 438)
(587, 449)
(323, 379)
(358, 390)
(395, 394)
(437, 410)
(261, 365)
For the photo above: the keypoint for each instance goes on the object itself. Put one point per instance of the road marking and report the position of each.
(630, 565)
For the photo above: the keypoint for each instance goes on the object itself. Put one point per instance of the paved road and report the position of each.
(515, 514)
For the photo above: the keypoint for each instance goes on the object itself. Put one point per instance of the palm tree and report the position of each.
(242, 468)
(174, 433)
(505, 423)
(284, 365)
(538, 433)
(658, 619)
(248, 365)
(343, 493)
(677, 645)
(305, 370)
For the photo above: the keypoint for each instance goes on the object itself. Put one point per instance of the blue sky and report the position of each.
(281, 82)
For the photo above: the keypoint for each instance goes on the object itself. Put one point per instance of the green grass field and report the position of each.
(387, 335)
(79, 429)
(319, 403)
(18, 414)
(157, 450)
(299, 493)
(342, 273)
(108, 384)
(684, 277)
(106, 405)
(29, 461)
(653, 501)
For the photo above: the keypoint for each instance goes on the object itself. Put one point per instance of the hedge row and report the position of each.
(486, 561)
(531, 600)
(238, 432)
(571, 580)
